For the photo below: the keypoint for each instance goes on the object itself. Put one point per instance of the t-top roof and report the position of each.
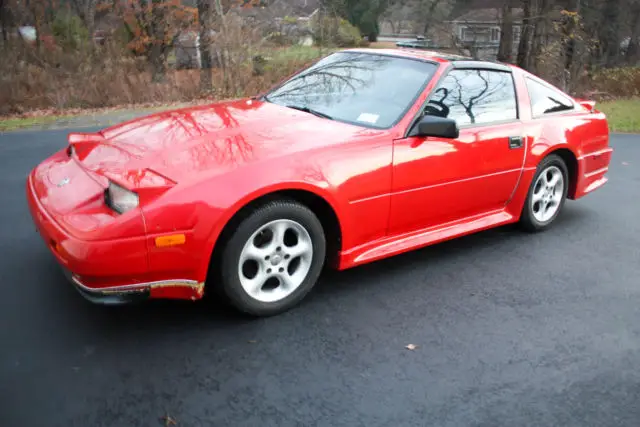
(441, 57)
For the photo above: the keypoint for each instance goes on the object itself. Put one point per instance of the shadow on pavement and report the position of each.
(168, 315)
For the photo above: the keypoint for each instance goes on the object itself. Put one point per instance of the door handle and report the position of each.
(515, 142)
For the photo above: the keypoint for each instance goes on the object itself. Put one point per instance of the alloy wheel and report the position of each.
(275, 260)
(547, 194)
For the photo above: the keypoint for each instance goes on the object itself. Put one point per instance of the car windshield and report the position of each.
(366, 89)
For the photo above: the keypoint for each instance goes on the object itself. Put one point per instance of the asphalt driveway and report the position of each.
(511, 329)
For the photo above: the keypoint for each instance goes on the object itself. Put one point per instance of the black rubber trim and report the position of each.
(113, 298)
(109, 297)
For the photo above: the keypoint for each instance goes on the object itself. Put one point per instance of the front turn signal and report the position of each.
(171, 240)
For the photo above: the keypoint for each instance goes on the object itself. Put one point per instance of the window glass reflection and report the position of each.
(475, 97)
(362, 88)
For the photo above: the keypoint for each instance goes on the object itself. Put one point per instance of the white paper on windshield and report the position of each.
(368, 117)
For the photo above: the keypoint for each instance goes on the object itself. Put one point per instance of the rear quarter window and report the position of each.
(546, 100)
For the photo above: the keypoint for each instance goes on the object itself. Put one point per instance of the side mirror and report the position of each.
(435, 126)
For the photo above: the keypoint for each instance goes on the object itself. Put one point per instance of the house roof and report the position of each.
(275, 9)
(488, 15)
(493, 15)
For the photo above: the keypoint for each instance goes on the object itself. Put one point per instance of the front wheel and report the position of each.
(547, 194)
(273, 259)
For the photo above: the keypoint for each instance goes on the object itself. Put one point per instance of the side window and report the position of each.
(475, 97)
(545, 100)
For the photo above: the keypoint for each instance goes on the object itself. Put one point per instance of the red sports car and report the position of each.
(363, 155)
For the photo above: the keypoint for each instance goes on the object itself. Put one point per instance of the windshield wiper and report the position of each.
(311, 111)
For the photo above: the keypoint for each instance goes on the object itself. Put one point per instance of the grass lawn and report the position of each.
(295, 53)
(623, 114)
(24, 122)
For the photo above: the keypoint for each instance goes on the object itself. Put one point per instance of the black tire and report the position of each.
(528, 221)
(230, 259)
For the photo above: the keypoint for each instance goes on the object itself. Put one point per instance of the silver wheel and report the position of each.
(547, 194)
(275, 260)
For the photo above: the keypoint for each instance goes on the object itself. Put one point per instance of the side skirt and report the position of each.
(393, 245)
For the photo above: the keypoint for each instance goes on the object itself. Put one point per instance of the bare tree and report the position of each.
(4, 20)
(399, 13)
(158, 30)
(633, 49)
(420, 14)
(36, 9)
(570, 44)
(205, 20)
(86, 10)
(474, 99)
(610, 34)
(154, 27)
(541, 31)
(430, 13)
(525, 35)
(505, 51)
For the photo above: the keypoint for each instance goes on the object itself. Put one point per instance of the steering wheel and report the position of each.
(438, 107)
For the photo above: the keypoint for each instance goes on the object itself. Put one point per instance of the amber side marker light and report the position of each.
(56, 247)
(171, 240)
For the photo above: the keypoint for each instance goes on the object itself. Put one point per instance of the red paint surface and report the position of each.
(194, 168)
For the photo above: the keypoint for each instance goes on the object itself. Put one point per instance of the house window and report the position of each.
(516, 33)
(495, 34)
(466, 34)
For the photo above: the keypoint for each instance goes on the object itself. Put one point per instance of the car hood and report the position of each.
(182, 144)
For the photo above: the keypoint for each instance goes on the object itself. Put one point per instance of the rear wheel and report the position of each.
(547, 194)
(273, 259)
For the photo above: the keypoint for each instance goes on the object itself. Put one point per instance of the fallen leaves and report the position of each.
(411, 346)
(169, 421)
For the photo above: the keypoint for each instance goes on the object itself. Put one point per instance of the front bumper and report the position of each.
(107, 271)
(99, 263)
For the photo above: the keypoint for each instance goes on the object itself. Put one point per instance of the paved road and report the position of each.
(512, 330)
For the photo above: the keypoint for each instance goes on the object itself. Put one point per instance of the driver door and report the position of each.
(439, 180)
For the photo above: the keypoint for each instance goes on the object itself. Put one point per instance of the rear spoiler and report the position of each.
(75, 137)
(589, 105)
